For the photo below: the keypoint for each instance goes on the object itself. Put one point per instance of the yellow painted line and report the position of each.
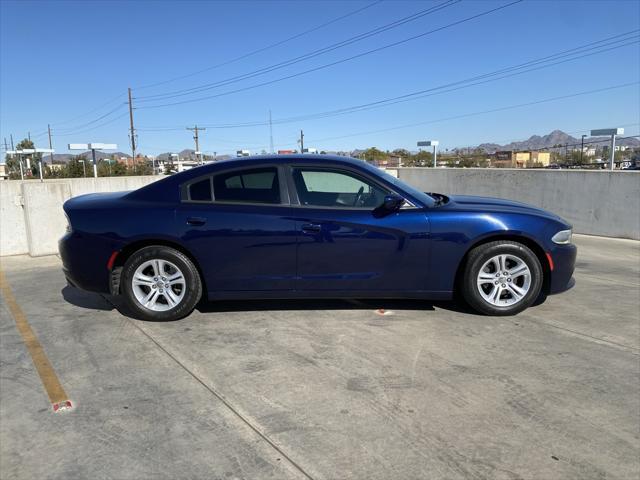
(50, 381)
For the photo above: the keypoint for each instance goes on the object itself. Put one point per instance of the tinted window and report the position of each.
(201, 190)
(333, 188)
(258, 185)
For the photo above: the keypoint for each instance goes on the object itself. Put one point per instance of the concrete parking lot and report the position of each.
(331, 389)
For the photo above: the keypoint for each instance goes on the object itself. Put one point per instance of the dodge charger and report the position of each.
(309, 226)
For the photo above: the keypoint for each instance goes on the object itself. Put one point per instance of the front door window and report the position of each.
(335, 188)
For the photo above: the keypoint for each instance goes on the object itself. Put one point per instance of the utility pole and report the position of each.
(133, 131)
(11, 136)
(29, 135)
(301, 141)
(50, 144)
(195, 130)
(582, 149)
(270, 134)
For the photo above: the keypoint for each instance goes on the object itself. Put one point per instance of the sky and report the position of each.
(70, 63)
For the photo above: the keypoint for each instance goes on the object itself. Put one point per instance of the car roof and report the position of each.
(285, 159)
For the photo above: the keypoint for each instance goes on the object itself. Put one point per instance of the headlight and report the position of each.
(563, 237)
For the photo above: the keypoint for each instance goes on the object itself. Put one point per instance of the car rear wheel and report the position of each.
(502, 278)
(160, 283)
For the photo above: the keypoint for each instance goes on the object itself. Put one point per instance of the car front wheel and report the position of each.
(160, 283)
(502, 278)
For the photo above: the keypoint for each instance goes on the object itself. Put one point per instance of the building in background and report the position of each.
(392, 161)
(526, 159)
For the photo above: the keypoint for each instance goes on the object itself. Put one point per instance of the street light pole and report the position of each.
(95, 166)
(613, 132)
(582, 149)
(434, 144)
(32, 151)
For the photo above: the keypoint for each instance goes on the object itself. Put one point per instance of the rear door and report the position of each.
(343, 247)
(238, 225)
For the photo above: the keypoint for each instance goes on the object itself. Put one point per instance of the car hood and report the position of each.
(497, 205)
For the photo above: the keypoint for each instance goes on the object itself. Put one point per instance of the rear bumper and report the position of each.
(84, 263)
(564, 263)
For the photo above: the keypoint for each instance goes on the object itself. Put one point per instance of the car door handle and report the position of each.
(196, 221)
(311, 228)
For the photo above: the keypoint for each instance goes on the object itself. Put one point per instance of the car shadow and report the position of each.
(96, 301)
(311, 304)
(84, 299)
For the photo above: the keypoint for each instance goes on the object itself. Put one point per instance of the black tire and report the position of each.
(192, 286)
(483, 253)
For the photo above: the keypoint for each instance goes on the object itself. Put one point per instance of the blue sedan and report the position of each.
(309, 226)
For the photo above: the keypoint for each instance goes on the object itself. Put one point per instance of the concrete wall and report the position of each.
(31, 216)
(13, 230)
(595, 202)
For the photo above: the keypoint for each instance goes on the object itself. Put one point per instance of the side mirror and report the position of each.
(391, 203)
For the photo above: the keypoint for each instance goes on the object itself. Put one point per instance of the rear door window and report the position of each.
(257, 185)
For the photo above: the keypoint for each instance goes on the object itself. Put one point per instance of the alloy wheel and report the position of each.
(158, 285)
(504, 280)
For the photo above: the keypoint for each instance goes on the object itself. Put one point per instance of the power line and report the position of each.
(483, 112)
(300, 58)
(465, 115)
(81, 126)
(531, 65)
(117, 97)
(92, 128)
(337, 62)
(260, 50)
(437, 90)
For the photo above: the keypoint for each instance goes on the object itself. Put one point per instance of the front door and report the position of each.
(344, 247)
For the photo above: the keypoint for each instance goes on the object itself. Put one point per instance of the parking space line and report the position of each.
(227, 404)
(55, 391)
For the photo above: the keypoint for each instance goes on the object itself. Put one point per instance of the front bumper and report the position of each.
(564, 263)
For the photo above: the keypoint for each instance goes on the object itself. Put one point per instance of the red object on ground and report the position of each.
(61, 405)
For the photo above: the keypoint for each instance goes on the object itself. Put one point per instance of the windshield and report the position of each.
(422, 197)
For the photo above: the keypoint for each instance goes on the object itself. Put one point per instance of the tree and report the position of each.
(374, 155)
(13, 166)
(75, 167)
(420, 159)
(140, 168)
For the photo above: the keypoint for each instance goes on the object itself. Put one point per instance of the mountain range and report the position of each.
(556, 139)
